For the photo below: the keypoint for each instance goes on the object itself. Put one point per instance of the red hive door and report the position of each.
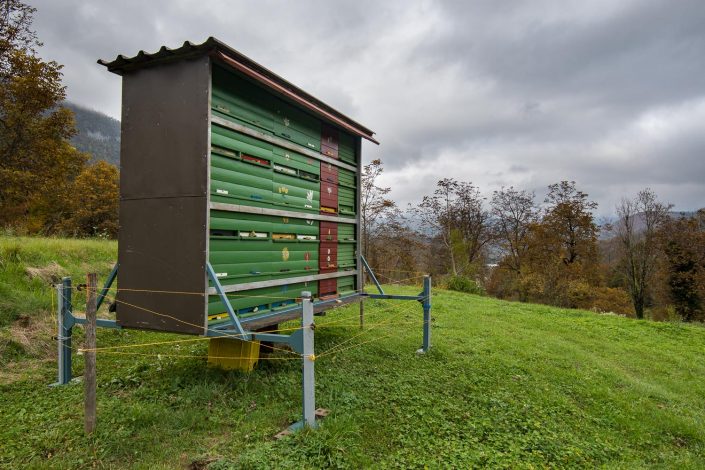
(327, 287)
(329, 173)
(329, 198)
(328, 256)
(329, 141)
(329, 231)
(328, 263)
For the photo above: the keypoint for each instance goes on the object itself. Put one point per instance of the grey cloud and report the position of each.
(500, 93)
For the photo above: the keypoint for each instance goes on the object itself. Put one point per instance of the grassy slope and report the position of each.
(21, 294)
(506, 384)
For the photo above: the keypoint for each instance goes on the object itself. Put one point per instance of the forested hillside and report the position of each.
(98, 134)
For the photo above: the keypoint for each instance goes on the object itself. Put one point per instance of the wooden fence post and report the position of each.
(89, 374)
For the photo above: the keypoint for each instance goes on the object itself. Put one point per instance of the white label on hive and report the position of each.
(221, 274)
(221, 191)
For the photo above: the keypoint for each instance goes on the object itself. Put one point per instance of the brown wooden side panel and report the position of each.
(164, 196)
(165, 130)
(162, 247)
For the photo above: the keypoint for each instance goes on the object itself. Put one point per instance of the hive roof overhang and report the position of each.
(223, 53)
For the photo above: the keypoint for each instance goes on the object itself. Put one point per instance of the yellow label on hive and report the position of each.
(285, 254)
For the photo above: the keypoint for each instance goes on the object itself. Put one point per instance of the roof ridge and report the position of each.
(243, 64)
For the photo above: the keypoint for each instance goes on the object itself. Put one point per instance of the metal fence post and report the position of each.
(426, 314)
(64, 331)
(309, 379)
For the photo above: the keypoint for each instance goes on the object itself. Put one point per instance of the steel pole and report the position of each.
(426, 314)
(309, 379)
(60, 333)
(63, 331)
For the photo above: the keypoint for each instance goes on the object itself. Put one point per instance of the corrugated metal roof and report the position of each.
(225, 54)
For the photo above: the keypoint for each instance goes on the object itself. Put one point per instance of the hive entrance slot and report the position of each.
(223, 233)
(255, 160)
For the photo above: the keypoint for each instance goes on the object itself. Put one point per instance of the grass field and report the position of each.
(505, 385)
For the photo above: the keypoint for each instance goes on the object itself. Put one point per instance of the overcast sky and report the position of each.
(610, 94)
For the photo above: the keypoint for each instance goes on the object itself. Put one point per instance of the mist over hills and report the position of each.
(98, 134)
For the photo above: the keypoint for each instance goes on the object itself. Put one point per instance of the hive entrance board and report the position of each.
(225, 163)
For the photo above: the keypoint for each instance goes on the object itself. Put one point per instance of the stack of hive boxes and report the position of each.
(248, 169)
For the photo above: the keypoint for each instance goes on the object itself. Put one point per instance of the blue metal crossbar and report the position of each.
(280, 313)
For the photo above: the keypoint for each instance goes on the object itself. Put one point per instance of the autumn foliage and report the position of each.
(41, 174)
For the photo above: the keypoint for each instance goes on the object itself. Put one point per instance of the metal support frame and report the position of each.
(426, 314)
(301, 341)
(424, 297)
(226, 302)
(372, 274)
(66, 321)
(106, 287)
(308, 368)
(64, 331)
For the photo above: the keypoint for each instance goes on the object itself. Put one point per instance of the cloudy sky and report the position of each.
(610, 93)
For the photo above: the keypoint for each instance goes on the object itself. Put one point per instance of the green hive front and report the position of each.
(281, 191)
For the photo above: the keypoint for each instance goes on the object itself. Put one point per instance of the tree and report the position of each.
(93, 203)
(683, 243)
(395, 249)
(436, 214)
(569, 217)
(639, 222)
(15, 32)
(373, 202)
(456, 218)
(471, 222)
(513, 212)
(561, 250)
(34, 157)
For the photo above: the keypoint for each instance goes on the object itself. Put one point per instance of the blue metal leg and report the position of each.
(426, 314)
(308, 372)
(372, 275)
(64, 331)
(226, 302)
(106, 286)
(309, 381)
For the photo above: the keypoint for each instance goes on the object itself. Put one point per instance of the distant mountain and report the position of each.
(640, 223)
(98, 134)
